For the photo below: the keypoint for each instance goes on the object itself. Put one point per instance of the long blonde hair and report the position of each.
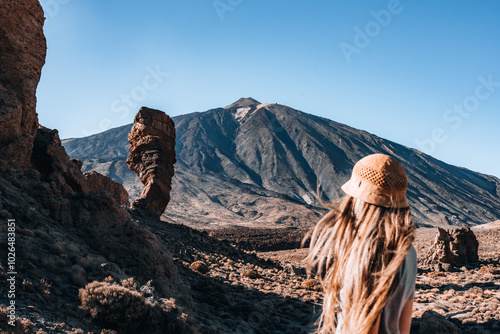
(356, 251)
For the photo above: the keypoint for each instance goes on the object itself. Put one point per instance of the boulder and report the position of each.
(22, 55)
(99, 182)
(434, 323)
(152, 157)
(453, 247)
(465, 246)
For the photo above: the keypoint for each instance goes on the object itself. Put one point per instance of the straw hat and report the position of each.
(378, 179)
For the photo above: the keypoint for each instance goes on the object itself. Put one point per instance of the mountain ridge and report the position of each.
(287, 151)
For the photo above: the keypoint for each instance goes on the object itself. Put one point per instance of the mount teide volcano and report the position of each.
(253, 164)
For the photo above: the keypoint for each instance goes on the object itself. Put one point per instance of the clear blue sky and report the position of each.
(425, 74)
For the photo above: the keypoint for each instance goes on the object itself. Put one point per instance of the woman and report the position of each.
(362, 252)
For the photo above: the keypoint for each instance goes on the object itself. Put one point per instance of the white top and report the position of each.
(405, 290)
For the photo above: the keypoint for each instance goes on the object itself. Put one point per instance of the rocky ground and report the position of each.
(236, 290)
(468, 297)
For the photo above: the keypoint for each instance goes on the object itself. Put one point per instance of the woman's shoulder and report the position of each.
(411, 257)
(409, 273)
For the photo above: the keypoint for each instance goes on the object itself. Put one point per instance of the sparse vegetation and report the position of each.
(200, 267)
(129, 309)
(22, 325)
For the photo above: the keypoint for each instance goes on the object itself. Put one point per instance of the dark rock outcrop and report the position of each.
(152, 157)
(22, 55)
(433, 323)
(54, 165)
(99, 182)
(453, 247)
(465, 246)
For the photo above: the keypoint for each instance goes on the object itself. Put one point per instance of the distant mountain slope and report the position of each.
(284, 151)
(105, 145)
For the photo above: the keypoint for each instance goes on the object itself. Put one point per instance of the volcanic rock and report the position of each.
(453, 247)
(465, 245)
(434, 323)
(54, 165)
(99, 182)
(63, 232)
(22, 55)
(152, 157)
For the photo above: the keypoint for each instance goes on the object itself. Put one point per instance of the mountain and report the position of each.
(259, 164)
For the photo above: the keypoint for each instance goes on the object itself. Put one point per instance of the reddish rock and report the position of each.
(454, 247)
(464, 246)
(152, 157)
(22, 55)
(54, 165)
(46, 192)
(99, 182)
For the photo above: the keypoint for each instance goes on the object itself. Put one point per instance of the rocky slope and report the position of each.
(56, 231)
(233, 161)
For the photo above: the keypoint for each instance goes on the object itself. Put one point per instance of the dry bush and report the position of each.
(43, 286)
(250, 273)
(91, 262)
(311, 284)
(27, 232)
(53, 262)
(73, 248)
(78, 275)
(22, 325)
(128, 310)
(57, 248)
(200, 267)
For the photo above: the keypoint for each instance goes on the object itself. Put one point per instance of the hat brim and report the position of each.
(370, 193)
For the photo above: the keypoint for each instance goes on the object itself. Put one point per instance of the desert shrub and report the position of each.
(124, 308)
(311, 284)
(78, 275)
(250, 273)
(200, 267)
(22, 325)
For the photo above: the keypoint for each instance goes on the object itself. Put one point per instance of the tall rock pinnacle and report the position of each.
(152, 157)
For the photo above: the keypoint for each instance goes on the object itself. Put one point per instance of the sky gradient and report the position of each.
(421, 73)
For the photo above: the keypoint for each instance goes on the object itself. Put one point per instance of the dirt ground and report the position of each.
(469, 296)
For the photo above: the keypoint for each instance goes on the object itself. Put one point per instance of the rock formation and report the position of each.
(435, 323)
(152, 157)
(54, 165)
(22, 55)
(99, 182)
(453, 247)
(64, 232)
